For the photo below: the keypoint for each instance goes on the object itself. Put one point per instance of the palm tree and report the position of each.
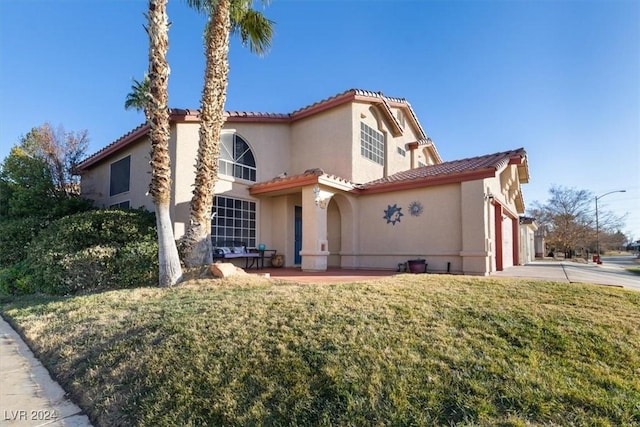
(138, 98)
(224, 17)
(157, 113)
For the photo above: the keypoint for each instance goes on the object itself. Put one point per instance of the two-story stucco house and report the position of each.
(352, 181)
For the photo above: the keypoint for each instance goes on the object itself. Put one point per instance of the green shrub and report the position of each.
(131, 271)
(15, 280)
(94, 250)
(15, 237)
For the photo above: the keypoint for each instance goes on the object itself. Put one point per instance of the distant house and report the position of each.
(528, 228)
(539, 241)
(351, 181)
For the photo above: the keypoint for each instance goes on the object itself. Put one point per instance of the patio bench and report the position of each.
(235, 249)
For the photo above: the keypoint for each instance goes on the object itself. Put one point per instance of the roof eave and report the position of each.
(129, 138)
(283, 184)
(428, 181)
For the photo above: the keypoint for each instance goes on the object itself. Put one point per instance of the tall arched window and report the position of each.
(236, 158)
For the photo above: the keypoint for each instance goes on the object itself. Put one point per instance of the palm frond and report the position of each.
(203, 6)
(138, 98)
(255, 30)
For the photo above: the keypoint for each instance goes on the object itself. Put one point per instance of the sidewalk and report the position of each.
(572, 272)
(543, 270)
(28, 395)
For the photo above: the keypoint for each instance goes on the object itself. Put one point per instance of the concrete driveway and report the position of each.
(611, 272)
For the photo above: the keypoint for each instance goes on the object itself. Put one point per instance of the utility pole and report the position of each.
(598, 224)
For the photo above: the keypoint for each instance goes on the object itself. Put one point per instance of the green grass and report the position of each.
(635, 269)
(406, 350)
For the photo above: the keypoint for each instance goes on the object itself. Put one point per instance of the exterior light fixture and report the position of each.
(320, 202)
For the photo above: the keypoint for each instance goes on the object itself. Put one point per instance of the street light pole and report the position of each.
(598, 224)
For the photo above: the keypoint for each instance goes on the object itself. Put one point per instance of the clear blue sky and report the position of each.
(559, 78)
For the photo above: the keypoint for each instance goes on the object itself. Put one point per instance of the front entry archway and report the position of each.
(334, 234)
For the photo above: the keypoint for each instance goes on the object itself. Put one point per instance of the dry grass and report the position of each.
(406, 350)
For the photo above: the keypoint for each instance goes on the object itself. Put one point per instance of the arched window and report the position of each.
(236, 158)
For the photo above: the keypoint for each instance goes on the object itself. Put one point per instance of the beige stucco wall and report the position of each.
(95, 183)
(323, 141)
(334, 234)
(271, 146)
(504, 190)
(424, 157)
(496, 187)
(477, 241)
(364, 169)
(269, 143)
(435, 234)
(276, 217)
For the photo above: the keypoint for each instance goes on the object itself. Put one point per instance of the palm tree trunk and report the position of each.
(170, 271)
(196, 244)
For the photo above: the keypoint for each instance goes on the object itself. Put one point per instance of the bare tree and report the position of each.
(569, 216)
(37, 178)
(61, 150)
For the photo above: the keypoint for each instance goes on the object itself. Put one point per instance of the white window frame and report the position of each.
(371, 143)
(230, 164)
(235, 219)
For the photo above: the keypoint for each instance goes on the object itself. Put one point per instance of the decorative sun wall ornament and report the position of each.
(416, 208)
(392, 214)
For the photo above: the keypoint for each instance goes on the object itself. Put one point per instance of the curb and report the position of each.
(28, 396)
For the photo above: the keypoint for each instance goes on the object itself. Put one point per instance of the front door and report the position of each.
(297, 244)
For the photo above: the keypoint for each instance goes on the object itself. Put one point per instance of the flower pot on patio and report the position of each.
(277, 260)
(417, 266)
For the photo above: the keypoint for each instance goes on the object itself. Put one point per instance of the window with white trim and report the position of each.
(234, 219)
(236, 158)
(402, 152)
(371, 144)
(120, 176)
(122, 205)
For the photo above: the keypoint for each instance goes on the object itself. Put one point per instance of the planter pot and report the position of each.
(277, 260)
(417, 266)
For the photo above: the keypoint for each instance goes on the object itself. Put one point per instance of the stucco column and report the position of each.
(315, 247)
(475, 251)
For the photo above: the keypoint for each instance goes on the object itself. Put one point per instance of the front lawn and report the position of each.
(404, 350)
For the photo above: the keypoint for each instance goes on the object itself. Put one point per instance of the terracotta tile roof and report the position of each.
(308, 177)
(182, 115)
(124, 140)
(344, 96)
(349, 93)
(457, 170)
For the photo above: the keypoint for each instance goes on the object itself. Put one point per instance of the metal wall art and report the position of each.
(392, 214)
(416, 208)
